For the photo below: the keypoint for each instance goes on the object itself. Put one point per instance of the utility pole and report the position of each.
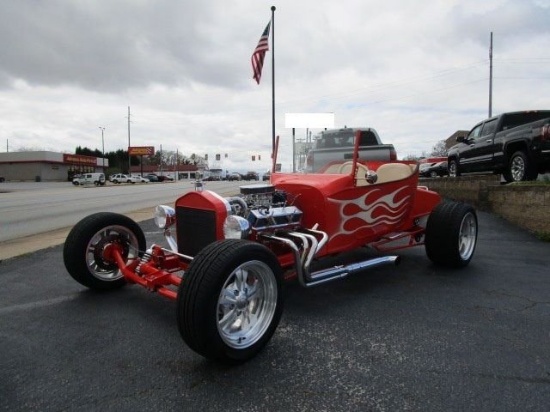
(160, 160)
(491, 77)
(293, 150)
(102, 148)
(129, 160)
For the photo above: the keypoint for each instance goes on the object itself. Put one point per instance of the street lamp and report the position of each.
(102, 148)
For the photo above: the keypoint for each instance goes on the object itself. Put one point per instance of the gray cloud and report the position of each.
(417, 71)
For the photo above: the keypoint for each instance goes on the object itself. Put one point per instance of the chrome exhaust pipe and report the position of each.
(340, 272)
(308, 279)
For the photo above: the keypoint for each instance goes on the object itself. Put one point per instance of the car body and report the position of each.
(334, 144)
(140, 179)
(266, 176)
(165, 178)
(121, 178)
(228, 257)
(152, 177)
(97, 179)
(514, 144)
(251, 175)
(234, 176)
(437, 169)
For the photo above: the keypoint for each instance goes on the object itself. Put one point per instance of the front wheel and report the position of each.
(453, 168)
(451, 234)
(230, 300)
(86, 250)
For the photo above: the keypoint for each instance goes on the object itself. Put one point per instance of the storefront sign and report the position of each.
(79, 159)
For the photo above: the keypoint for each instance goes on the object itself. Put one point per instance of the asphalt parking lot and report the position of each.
(411, 338)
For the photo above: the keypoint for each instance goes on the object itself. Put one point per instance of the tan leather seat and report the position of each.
(390, 172)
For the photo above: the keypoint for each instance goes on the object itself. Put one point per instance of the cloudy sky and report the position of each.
(416, 71)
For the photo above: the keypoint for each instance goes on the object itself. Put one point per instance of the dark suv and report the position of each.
(251, 176)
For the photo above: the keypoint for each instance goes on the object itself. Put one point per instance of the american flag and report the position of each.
(259, 54)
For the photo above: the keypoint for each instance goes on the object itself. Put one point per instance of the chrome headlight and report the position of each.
(236, 227)
(164, 216)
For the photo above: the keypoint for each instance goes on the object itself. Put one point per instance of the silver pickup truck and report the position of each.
(339, 143)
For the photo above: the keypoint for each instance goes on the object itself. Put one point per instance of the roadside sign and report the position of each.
(141, 150)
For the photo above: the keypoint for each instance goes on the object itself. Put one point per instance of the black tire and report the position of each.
(453, 168)
(451, 234)
(433, 174)
(211, 293)
(519, 168)
(96, 183)
(83, 250)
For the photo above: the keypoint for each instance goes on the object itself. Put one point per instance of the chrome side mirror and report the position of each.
(371, 177)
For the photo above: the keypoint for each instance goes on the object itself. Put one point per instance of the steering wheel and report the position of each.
(360, 166)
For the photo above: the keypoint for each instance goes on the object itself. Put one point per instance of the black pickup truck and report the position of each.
(516, 144)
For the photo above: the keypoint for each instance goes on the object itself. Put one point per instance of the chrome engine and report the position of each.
(265, 208)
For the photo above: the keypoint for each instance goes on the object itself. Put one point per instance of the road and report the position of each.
(35, 215)
(411, 338)
(31, 208)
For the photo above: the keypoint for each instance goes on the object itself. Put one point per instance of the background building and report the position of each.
(48, 166)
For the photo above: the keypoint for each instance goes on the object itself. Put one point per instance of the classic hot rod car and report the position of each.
(227, 258)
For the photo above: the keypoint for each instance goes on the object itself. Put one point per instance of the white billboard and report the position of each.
(309, 120)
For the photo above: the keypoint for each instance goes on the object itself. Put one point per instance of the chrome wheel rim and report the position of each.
(452, 169)
(517, 168)
(467, 236)
(97, 265)
(246, 304)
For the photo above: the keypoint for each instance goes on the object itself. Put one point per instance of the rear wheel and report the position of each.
(451, 234)
(519, 168)
(230, 300)
(84, 252)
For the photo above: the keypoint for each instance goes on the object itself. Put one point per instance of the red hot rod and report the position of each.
(226, 259)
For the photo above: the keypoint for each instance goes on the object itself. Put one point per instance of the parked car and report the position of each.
(234, 176)
(140, 179)
(152, 177)
(435, 169)
(266, 176)
(120, 178)
(97, 179)
(338, 144)
(251, 176)
(227, 258)
(514, 144)
(165, 178)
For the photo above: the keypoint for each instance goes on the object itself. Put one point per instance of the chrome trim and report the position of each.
(319, 277)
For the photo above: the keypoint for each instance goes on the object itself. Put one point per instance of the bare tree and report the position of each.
(439, 149)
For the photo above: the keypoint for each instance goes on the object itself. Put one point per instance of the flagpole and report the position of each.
(491, 77)
(273, 80)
